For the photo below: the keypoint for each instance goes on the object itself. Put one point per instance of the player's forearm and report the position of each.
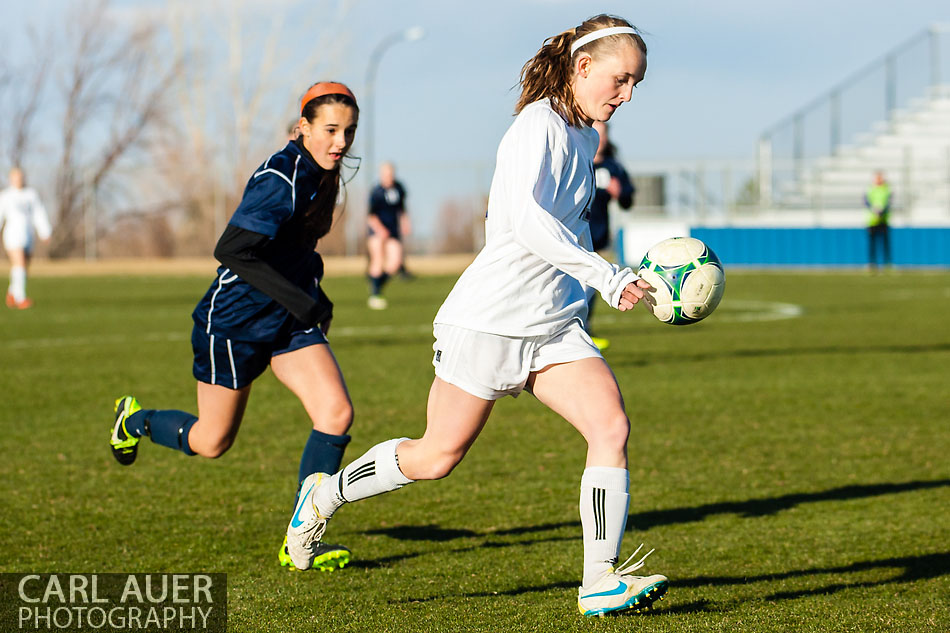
(625, 199)
(544, 235)
(375, 224)
(237, 249)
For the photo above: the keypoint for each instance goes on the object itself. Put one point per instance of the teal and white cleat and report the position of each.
(619, 590)
(306, 526)
(124, 446)
(327, 557)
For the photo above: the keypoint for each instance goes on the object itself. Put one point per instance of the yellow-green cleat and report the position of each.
(124, 446)
(328, 557)
(283, 556)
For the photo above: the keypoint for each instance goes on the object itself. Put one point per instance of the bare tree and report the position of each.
(112, 93)
(121, 150)
(5, 78)
(25, 95)
(235, 99)
(455, 227)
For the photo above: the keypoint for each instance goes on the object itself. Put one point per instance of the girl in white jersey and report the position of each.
(514, 320)
(22, 216)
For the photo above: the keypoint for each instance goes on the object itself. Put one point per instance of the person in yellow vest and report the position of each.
(878, 201)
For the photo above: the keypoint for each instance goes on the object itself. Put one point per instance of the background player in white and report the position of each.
(23, 218)
(514, 320)
(388, 223)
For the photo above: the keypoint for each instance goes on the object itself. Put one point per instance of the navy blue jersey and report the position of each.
(274, 204)
(599, 225)
(386, 204)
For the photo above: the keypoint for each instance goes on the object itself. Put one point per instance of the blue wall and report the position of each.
(822, 246)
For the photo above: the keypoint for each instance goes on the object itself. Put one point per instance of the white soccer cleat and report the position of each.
(618, 590)
(376, 302)
(306, 526)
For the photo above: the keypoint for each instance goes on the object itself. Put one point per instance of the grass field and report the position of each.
(789, 462)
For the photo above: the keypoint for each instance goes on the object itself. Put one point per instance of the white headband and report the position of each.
(596, 35)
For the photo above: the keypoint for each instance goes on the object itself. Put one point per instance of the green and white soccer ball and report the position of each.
(687, 278)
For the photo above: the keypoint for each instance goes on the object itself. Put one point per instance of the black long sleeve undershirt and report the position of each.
(626, 199)
(238, 250)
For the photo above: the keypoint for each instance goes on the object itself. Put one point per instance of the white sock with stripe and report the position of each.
(18, 283)
(604, 504)
(374, 472)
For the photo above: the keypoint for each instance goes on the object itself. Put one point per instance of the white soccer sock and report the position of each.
(604, 504)
(373, 473)
(18, 283)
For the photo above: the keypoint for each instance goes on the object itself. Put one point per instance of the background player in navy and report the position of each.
(613, 183)
(266, 307)
(388, 223)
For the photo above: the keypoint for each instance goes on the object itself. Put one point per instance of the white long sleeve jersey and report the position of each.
(530, 278)
(21, 212)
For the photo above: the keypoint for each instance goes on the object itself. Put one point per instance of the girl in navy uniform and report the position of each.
(388, 224)
(613, 183)
(266, 307)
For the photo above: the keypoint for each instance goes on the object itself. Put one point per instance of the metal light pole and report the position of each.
(369, 97)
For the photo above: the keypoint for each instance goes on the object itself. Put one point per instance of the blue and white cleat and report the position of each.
(618, 590)
(305, 531)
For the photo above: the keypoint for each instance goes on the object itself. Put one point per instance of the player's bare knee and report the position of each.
(335, 419)
(612, 432)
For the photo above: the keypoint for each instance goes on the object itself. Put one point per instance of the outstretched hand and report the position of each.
(632, 294)
(614, 188)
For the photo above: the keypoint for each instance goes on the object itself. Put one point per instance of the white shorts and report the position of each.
(17, 240)
(490, 366)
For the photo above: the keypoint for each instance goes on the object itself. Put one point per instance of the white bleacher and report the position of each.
(913, 151)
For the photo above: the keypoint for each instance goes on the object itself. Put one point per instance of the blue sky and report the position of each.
(719, 72)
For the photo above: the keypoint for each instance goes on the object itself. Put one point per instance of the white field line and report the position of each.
(95, 340)
(176, 337)
(732, 311)
(738, 311)
(915, 293)
(748, 310)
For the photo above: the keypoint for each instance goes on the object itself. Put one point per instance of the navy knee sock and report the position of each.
(377, 283)
(165, 426)
(136, 424)
(323, 453)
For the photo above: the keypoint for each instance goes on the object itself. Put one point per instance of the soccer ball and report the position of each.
(687, 278)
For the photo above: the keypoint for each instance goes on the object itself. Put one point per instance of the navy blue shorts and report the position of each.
(235, 364)
(393, 232)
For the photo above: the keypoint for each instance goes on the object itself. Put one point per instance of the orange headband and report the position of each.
(325, 88)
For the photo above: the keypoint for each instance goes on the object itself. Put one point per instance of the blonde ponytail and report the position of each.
(548, 75)
(550, 72)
